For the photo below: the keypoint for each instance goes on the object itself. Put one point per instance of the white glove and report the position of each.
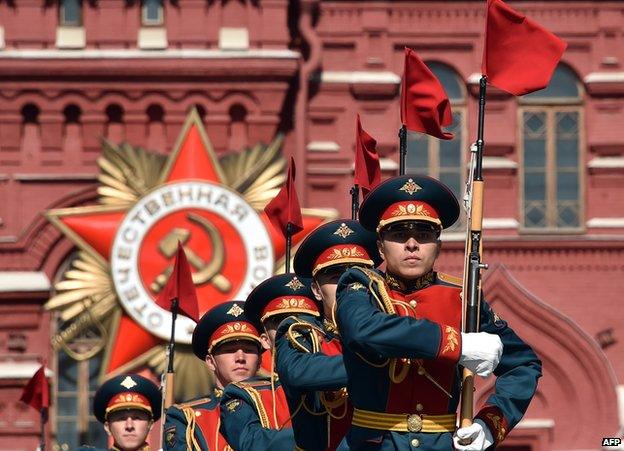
(481, 352)
(477, 433)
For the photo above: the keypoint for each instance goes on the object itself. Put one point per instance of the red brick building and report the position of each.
(73, 71)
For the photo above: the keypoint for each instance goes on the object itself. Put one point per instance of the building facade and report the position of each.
(73, 72)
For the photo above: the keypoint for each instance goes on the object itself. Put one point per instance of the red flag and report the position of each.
(425, 107)
(520, 55)
(284, 209)
(37, 392)
(367, 169)
(180, 285)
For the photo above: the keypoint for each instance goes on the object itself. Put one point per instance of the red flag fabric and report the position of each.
(284, 209)
(180, 285)
(520, 55)
(425, 107)
(367, 169)
(37, 392)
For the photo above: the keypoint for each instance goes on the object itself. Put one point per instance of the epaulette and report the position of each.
(192, 402)
(253, 383)
(451, 280)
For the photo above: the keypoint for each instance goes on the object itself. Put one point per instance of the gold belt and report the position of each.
(404, 422)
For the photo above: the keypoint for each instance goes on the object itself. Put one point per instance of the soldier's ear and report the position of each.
(150, 425)
(107, 429)
(380, 248)
(210, 362)
(266, 341)
(316, 289)
(438, 247)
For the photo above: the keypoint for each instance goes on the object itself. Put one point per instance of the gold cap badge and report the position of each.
(410, 187)
(343, 231)
(128, 383)
(294, 284)
(235, 311)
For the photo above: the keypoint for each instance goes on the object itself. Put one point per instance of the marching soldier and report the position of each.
(127, 406)
(401, 333)
(231, 346)
(254, 413)
(309, 353)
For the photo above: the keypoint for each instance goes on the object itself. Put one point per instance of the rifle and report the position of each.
(471, 293)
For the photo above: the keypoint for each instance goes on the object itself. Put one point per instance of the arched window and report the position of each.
(70, 13)
(77, 380)
(238, 136)
(550, 143)
(114, 123)
(438, 158)
(156, 133)
(30, 114)
(152, 13)
(72, 130)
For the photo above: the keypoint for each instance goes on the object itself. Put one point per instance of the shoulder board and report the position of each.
(192, 403)
(452, 280)
(253, 383)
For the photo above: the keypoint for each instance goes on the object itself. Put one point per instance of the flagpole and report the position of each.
(474, 265)
(288, 245)
(355, 200)
(44, 419)
(402, 149)
(169, 394)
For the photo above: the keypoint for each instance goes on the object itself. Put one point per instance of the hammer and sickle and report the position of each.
(206, 272)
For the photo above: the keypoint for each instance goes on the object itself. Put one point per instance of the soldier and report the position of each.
(231, 346)
(309, 353)
(127, 406)
(254, 413)
(401, 334)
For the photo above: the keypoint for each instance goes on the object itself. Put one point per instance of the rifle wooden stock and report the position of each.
(169, 395)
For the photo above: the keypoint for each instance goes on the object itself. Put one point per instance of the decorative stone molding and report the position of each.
(610, 83)
(17, 281)
(25, 177)
(233, 38)
(606, 163)
(323, 146)
(499, 163)
(105, 54)
(323, 170)
(387, 164)
(606, 223)
(152, 38)
(500, 223)
(71, 38)
(21, 370)
(359, 77)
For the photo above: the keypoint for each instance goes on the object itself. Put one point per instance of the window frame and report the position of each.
(552, 106)
(82, 396)
(62, 22)
(148, 23)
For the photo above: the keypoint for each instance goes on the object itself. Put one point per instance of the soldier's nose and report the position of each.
(411, 244)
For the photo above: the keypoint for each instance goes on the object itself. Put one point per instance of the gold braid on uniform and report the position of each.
(189, 414)
(291, 334)
(257, 401)
(331, 405)
(377, 287)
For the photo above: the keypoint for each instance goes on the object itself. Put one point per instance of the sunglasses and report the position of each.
(423, 233)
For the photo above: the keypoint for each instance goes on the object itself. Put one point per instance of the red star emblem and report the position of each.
(143, 213)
